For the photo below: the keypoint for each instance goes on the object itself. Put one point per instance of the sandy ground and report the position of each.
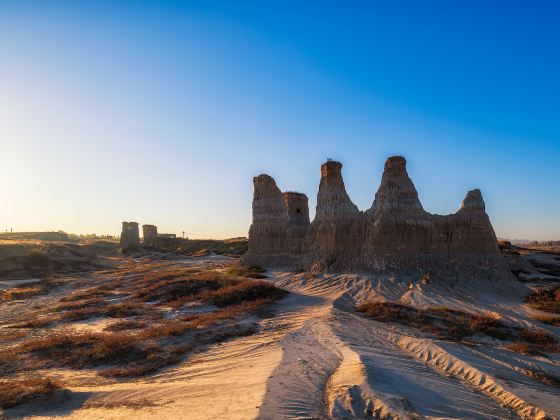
(317, 358)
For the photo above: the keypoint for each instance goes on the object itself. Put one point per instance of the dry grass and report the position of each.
(250, 272)
(547, 300)
(27, 292)
(87, 294)
(200, 247)
(549, 320)
(16, 391)
(441, 321)
(540, 339)
(7, 334)
(242, 291)
(455, 325)
(17, 293)
(142, 340)
(525, 348)
(123, 352)
(126, 325)
(544, 377)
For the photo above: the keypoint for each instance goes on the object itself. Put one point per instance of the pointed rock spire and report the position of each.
(332, 198)
(397, 192)
(473, 201)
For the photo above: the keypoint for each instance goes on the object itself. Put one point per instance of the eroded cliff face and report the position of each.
(395, 236)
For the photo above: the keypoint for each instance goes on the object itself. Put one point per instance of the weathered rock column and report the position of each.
(267, 234)
(298, 221)
(397, 193)
(130, 236)
(398, 232)
(472, 231)
(150, 234)
(335, 235)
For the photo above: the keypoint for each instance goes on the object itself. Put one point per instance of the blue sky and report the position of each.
(162, 112)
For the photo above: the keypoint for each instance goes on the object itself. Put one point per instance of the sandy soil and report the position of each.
(317, 358)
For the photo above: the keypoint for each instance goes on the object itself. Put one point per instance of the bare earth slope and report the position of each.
(316, 357)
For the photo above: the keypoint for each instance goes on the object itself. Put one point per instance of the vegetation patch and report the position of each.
(155, 325)
(37, 259)
(14, 392)
(18, 293)
(450, 324)
(549, 320)
(253, 272)
(547, 300)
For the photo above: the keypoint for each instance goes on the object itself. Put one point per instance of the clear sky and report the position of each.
(162, 112)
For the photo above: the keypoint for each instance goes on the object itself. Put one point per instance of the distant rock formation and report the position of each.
(395, 236)
(150, 234)
(130, 236)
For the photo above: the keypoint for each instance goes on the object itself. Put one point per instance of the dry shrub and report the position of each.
(525, 348)
(71, 305)
(14, 392)
(138, 346)
(179, 326)
(87, 294)
(440, 321)
(253, 272)
(22, 293)
(39, 322)
(10, 334)
(166, 328)
(79, 350)
(544, 377)
(126, 325)
(168, 290)
(26, 292)
(457, 325)
(117, 310)
(244, 290)
(547, 300)
(539, 338)
(549, 320)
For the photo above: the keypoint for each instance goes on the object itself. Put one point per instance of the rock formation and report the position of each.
(150, 234)
(332, 234)
(270, 219)
(395, 236)
(297, 222)
(130, 236)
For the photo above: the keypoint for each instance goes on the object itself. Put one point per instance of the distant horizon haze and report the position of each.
(163, 112)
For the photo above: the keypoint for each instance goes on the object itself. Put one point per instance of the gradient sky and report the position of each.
(162, 112)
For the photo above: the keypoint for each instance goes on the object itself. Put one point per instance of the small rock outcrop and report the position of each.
(130, 236)
(150, 234)
(395, 236)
